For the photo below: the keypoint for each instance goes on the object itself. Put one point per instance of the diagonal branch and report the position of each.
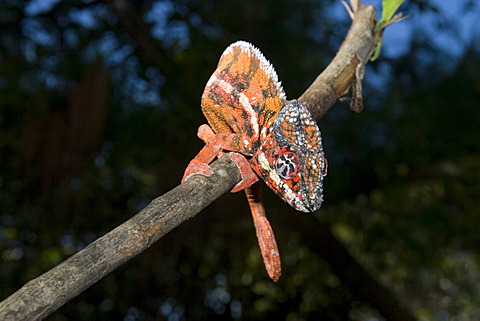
(41, 296)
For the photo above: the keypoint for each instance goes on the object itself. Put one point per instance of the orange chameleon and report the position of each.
(248, 115)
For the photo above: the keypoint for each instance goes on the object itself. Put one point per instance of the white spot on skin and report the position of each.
(264, 132)
(266, 166)
(247, 107)
(253, 115)
(225, 86)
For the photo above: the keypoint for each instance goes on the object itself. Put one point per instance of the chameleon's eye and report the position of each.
(287, 164)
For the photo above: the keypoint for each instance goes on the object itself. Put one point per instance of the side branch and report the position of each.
(342, 72)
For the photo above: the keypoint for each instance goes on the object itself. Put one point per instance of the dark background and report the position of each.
(99, 106)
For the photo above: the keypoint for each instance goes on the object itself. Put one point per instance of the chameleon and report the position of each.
(266, 136)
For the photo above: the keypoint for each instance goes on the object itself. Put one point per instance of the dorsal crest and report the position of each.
(255, 54)
(245, 87)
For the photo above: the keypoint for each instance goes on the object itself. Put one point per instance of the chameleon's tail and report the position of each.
(265, 236)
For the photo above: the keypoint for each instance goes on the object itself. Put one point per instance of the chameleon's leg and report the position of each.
(248, 175)
(215, 143)
(232, 142)
(265, 236)
(199, 165)
(205, 133)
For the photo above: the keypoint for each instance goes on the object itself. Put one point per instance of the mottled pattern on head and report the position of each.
(292, 161)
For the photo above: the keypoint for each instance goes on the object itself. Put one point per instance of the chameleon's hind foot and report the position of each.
(248, 175)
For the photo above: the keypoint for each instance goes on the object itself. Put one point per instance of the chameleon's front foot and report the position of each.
(199, 165)
(215, 146)
(196, 168)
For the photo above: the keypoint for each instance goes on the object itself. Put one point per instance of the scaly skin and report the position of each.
(248, 115)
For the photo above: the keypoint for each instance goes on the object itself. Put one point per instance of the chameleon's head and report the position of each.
(291, 159)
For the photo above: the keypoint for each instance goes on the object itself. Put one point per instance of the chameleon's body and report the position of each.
(248, 114)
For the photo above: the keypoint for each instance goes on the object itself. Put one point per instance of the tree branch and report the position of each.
(40, 297)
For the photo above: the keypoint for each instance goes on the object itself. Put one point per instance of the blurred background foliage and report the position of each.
(99, 106)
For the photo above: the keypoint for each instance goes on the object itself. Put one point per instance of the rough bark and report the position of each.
(43, 295)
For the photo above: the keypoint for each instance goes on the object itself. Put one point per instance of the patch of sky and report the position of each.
(107, 305)
(110, 48)
(236, 309)
(48, 78)
(36, 7)
(169, 32)
(450, 29)
(85, 18)
(124, 67)
(214, 33)
(379, 74)
(70, 37)
(29, 51)
(144, 89)
(158, 16)
(33, 30)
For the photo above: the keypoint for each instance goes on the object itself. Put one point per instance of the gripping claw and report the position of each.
(248, 175)
(196, 168)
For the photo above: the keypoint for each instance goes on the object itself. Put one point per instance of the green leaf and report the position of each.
(389, 7)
